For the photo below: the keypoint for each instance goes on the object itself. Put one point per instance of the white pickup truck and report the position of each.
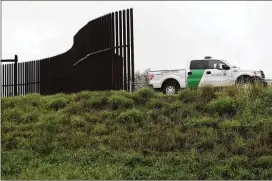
(207, 71)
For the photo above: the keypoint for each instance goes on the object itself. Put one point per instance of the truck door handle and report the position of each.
(208, 72)
(189, 73)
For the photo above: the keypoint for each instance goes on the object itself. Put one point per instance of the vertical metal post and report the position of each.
(125, 49)
(112, 49)
(132, 49)
(121, 52)
(26, 77)
(49, 77)
(128, 48)
(5, 79)
(9, 79)
(117, 86)
(19, 79)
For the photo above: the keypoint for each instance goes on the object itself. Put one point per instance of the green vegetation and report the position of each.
(202, 133)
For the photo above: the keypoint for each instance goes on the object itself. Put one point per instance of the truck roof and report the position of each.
(207, 58)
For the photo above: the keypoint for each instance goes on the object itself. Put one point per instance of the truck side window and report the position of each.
(215, 64)
(197, 64)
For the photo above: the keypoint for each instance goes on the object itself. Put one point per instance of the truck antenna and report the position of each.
(238, 60)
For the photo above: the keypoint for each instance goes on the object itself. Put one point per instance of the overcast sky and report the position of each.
(166, 34)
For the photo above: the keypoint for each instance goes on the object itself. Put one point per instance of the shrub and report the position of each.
(221, 172)
(155, 103)
(207, 139)
(169, 98)
(206, 122)
(207, 93)
(31, 101)
(58, 103)
(44, 144)
(190, 95)
(93, 103)
(266, 98)
(122, 93)
(265, 174)
(138, 160)
(230, 124)
(100, 129)
(78, 139)
(153, 114)
(238, 161)
(20, 116)
(239, 146)
(143, 95)
(256, 90)
(14, 162)
(12, 115)
(120, 102)
(205, 145)
(31, 116)
(8, 103)
(77, 121)
(49, 127)
(105, 114)
(245, 174)
(98, 102)
(181, 113)
(224, 107)
(83, 95)
(232, 91)
(175, 107)
(264, 161)
(73, 108)
(92, 99)
(131, 116)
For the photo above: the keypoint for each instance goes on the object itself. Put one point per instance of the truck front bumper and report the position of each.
(261, 81)
(264, 83)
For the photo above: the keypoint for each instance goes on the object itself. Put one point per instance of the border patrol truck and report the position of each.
(207, 71)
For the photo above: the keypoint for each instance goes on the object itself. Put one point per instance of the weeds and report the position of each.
(120, 102)
(131, 116)
(225, 107)
(205, 133)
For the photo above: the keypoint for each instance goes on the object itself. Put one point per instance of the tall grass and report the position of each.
(205, 133)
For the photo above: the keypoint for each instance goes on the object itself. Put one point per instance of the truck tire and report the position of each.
(170, 88)
(244, 80)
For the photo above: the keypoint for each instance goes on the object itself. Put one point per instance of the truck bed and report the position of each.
(166, 71)
(157, 77)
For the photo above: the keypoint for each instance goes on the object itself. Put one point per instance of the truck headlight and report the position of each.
(257, 73)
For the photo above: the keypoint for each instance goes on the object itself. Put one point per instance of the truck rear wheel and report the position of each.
(170, 88)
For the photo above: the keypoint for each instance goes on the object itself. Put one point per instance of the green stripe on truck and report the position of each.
(194, 79)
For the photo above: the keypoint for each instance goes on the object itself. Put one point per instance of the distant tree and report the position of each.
(141, 79)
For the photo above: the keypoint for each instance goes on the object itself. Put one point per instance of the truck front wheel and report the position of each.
(244, 80)
(170, 88)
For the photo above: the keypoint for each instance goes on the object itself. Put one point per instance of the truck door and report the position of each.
(215, 75)
(195, 74)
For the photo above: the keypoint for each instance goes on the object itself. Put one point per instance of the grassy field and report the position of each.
(197, 134)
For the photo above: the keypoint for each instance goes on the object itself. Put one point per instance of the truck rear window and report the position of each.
(197, 64)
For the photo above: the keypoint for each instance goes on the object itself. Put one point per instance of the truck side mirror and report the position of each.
(225, 67)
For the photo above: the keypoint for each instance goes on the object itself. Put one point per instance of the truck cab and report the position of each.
(202, 72)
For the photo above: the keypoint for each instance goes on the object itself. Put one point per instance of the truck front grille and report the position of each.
(263, 76)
